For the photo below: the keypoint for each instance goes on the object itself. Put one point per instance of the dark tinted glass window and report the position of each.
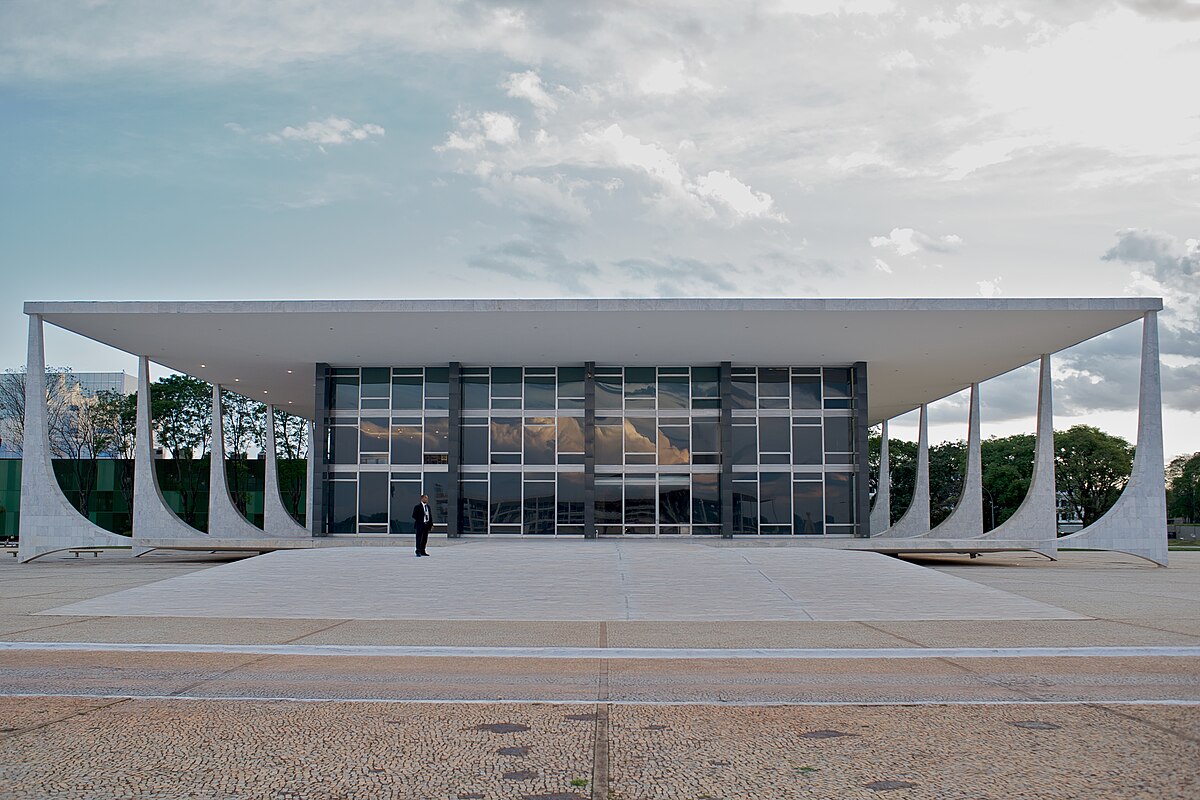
(639, 503)
(539, 444)
(745, 395)
(775, 498)
(343, 506)
(839, 434)
(808, 509)
(673, 445)
(539, 391)
(775, 434)
(506, 381)
(474, 500)
(506, 498)
(437, 434)
(506, 434)
(406, 444)
(437, 383)
(673, 391)
(839, 498)
(344, 392)
(745, 506)
(376, 381)
(343, 444)
(570, 498)
(706, 500)
(745, 444)
(539, 507)
(608, 503)
(372, 497)
(837, 382)
(640, 434)
(404, 495)
(570, 382)
(408, 391)
(570, 435)
(806, 445)
(706, 436)
(609, 445)
(773, 382)
(436, 484)
(475, 391)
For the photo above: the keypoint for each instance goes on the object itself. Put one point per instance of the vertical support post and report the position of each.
(862, 432)
(589, 450)
(454, 459)
(881, 514)
(316, 450)
(726, 482)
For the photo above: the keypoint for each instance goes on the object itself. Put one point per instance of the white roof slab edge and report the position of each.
(917, 350)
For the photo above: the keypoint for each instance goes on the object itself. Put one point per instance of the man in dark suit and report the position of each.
(423, 522)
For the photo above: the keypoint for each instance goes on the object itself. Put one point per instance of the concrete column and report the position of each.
(309, 504)
(966, 521)
(152, 517)
(224, 519)
(48, 521)
(1137, 522)
(276, 519)
(726, 427)
(454, 453)
(862, 435)
(1036, 519)
(915, 521)
(589, 450)
(881, 512)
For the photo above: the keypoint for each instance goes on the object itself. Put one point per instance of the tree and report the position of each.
(244, 423)
(59, 381)
(1091, 468)
(1183, 487)
(1007, 472)
(181, 408)
(117, 413)
(291, 444)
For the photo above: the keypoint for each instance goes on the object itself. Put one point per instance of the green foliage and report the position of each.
(1183, 487)
(1091, 468)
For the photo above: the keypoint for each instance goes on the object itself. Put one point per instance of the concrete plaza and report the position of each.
(1007, 676)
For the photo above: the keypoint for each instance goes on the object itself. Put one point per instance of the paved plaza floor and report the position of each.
(777, 673)
(573, 581)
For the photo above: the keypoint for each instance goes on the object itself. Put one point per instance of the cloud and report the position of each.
(329, 131)
(536, 262)
(906, 241)
(528, 86)
(670, 76)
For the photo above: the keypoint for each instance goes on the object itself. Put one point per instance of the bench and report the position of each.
(95, 551)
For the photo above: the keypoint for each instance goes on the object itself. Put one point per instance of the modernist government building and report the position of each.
(597, 418)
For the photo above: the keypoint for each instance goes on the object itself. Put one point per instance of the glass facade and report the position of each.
(652, 449)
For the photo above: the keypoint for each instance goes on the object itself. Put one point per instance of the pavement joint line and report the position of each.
(1148, 723)
(614, 653)
(116, 701)
(567, 701)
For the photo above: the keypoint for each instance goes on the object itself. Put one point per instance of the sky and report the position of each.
(368, 149)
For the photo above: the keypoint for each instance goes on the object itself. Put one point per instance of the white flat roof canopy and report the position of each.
(917, 350)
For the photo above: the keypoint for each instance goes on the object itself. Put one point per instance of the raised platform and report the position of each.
(572, 581)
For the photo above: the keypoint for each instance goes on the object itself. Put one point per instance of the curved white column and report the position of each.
(881, 512)
(224, 519)
(1137, 522)
(1037, 516)
(915, 521)
(966, 520)
(48, 521)
(276, 519)
(152, 517)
